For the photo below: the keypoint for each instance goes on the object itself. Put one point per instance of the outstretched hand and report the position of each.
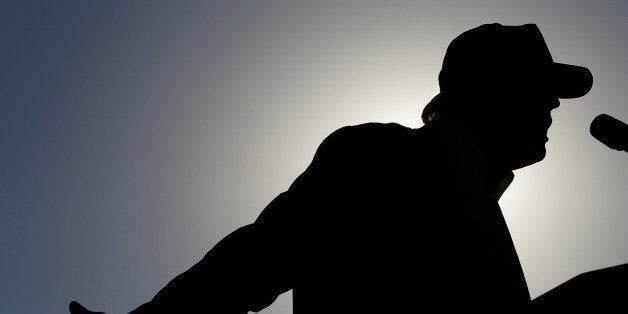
(76, 308)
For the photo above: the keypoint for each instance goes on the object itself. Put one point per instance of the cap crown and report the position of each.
(494, 55)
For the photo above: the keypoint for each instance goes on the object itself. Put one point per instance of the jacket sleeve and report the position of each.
(252, 266)
(243, 272)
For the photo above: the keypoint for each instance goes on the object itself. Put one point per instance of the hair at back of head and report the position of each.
(433, 109)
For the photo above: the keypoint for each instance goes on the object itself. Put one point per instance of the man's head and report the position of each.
(499, 83)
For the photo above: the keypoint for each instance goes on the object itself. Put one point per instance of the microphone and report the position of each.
(610, 131)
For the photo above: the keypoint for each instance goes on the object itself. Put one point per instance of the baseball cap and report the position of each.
(500, 56)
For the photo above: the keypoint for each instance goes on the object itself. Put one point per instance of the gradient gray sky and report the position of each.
(135, 135)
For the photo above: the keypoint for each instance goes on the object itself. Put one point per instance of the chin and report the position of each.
(531, 157)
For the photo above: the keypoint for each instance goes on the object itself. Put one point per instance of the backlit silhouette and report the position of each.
(389, 219)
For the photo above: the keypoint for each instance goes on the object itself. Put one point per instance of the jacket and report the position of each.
(386, 219)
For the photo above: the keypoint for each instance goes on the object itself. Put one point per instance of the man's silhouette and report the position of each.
(388, 219)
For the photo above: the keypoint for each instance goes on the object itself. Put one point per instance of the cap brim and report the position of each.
(571, 81)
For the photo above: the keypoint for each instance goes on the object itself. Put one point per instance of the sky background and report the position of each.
(135, 135)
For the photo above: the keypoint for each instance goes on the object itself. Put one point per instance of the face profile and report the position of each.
(502, 84)
(517, 130)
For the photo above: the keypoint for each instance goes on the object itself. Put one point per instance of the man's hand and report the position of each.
(76, 308)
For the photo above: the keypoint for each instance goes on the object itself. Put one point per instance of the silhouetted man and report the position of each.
(388, 219)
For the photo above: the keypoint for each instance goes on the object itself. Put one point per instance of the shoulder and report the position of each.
(366, 135)
(371, 129)
(372, 145)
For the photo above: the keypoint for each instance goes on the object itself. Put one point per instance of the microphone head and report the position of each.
(610, 131)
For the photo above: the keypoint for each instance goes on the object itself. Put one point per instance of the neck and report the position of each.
(482, 139)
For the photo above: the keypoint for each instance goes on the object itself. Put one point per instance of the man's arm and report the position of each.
(249, 268)
(245, 271)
